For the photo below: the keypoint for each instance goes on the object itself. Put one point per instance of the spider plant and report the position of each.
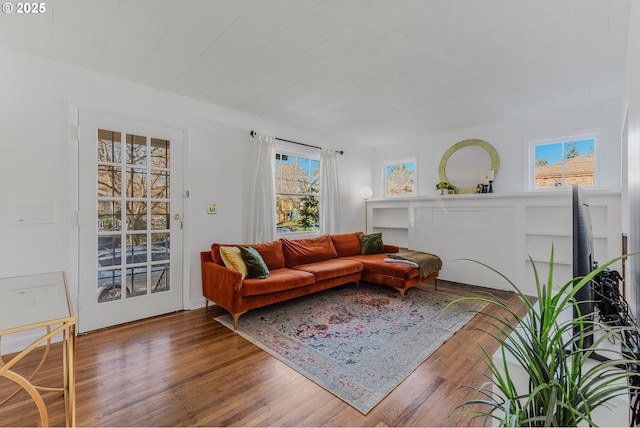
(562, 390)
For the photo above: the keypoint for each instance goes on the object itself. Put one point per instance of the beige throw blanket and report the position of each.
(428, 263)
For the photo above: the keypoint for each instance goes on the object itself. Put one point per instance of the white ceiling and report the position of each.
(368, 71)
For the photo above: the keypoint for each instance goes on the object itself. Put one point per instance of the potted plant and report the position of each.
(561, 391)
(444, 185)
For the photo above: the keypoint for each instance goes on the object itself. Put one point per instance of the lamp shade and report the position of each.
(366, 192)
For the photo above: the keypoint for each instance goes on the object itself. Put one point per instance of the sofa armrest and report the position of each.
(388, 248)
(220, 284)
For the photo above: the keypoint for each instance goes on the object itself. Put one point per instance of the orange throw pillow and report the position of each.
(310, 250)
(347, 244)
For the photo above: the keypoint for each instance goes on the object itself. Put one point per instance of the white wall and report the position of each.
(38, 161)
(631, 192)
(511, 141)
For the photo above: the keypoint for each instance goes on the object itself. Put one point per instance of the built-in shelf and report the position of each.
(394, 235)
(499, 230)
(397, 218)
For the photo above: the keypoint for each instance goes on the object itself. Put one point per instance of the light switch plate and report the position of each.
(212, 209)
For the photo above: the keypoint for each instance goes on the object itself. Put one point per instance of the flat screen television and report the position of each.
(583, 259)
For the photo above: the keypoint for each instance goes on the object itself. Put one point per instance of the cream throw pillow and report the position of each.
(233, 260)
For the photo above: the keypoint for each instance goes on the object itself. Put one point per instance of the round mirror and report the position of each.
(466, 162)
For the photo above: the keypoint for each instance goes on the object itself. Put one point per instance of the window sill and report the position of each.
(298, 235)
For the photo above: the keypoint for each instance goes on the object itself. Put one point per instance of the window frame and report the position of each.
(402, 161)
(530, 178)
(298, 152)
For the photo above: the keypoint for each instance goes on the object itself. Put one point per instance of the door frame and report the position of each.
(73, 116)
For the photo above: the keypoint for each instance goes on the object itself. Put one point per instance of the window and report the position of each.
(297, 193)
(400, 178)
(564, 163)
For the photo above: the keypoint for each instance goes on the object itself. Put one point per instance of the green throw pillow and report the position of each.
(371, 243)
(256, 268)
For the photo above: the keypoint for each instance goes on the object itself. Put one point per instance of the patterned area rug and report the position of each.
(357, 343)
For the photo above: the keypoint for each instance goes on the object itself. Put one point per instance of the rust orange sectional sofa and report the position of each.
(298, 267)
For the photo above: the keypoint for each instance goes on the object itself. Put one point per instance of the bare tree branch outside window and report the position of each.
(297, 193)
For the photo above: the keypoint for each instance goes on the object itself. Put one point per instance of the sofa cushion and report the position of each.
(347, 244)
(271, 253)
(256, 268)
(278, 280)
(371, 243)
(309, 250)
(233, 260)
(331, 268)
(375, 263)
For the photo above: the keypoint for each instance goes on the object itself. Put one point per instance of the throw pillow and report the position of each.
(308, 250)
(371, 243)
(233, 260)
(271, 253)
(255, 265)
(347, 244)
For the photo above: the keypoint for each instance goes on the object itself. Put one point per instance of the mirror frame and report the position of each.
(493, 155)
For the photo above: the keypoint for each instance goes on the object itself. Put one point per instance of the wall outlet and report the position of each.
(212, 209)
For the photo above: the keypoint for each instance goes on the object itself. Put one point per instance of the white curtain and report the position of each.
(262, 218)
(329, 192)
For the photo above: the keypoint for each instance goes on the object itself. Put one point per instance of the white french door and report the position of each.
(130, 233)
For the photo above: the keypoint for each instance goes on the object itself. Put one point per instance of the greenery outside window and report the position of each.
(400, 178)
(297, 193)
(560, 164)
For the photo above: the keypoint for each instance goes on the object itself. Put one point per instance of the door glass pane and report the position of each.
(160, 184)
(159, 153)
(159, 215)
(109, 146)
(160, 278)
(137, 281)
(109, 181)
(136, 182)
(136, 248)
(136, 150)
(109, 216)
(160, 249)
(109, 285)
(109, 250)
(136, 215)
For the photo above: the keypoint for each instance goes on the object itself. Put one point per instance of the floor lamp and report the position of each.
(366, 193)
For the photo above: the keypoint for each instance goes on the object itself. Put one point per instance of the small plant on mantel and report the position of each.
(444, 185)
(561, 390)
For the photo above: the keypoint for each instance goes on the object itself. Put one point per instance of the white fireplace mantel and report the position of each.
(500, 230)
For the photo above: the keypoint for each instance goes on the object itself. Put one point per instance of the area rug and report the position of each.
(359, 343)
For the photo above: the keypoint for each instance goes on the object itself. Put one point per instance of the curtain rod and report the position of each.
(254, 133)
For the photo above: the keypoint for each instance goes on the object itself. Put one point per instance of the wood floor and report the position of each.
(185, 369)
